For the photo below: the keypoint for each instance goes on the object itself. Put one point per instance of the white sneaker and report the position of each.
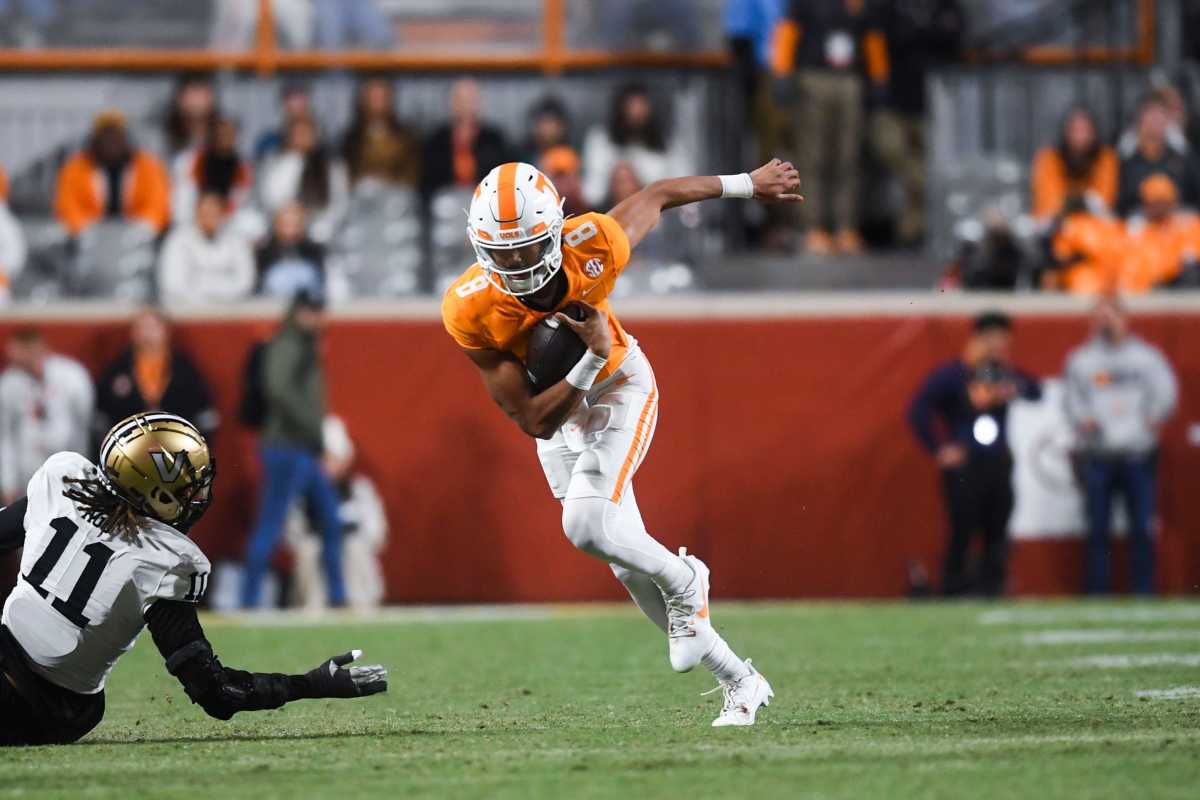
(690, 633)
(742, 699)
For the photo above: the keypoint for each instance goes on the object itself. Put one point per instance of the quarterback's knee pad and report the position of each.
(583, 522)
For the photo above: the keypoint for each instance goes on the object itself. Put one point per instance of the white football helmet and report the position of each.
(515, 225)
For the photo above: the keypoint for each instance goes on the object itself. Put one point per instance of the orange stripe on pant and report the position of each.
(635, 447)
(641, 456)
(506, 189)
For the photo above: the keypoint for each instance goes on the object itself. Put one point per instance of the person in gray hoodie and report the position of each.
(291, 445)
(1119, 392)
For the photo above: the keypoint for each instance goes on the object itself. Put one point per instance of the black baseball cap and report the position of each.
(992, 320)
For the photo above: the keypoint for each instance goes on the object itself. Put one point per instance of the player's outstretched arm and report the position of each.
(540, 415)
(223, 692)
(774, 182)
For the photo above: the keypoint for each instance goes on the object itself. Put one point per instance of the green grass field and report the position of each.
(1011, 700)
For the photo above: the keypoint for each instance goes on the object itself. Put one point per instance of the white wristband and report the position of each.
(737, 185)
(584, 373)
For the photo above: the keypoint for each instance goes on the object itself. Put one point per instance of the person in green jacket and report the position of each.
(290, 446)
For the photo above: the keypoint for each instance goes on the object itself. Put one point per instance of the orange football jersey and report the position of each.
(595, 250)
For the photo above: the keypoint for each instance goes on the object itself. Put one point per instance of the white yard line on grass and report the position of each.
(1174, 693)
(1102, 614)
(1107, 636)
(1125, 661)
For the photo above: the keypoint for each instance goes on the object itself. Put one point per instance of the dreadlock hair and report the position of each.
(104, 508)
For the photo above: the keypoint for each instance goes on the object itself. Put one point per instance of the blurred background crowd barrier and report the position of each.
(801, 452)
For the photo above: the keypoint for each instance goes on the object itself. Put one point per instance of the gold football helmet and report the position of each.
(160, 465)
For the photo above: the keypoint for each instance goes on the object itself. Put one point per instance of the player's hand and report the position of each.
(335, 678)
(593, 329)
(951, 455)
(776, 182)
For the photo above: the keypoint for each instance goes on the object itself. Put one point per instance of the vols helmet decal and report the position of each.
(515, 226)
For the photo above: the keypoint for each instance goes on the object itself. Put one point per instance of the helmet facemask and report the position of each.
(533, 273)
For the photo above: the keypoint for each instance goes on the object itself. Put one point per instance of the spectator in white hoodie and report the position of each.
(1120, 391)
(205, 261)
(46, 405)
(635, 136)
(304, 172)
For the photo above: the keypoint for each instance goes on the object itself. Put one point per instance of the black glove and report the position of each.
(334, 679)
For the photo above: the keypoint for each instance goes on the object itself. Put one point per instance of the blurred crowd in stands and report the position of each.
(838, 86)
(227, 222)
(831, 81)
(1106, 217)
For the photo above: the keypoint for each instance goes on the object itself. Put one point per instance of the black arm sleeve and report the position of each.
(12, 525)
(219, 690)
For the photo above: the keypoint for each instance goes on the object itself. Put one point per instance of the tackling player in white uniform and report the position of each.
(106, 553)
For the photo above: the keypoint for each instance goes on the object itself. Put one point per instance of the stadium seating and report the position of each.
(451, 252)
(379, 250)
(113, 259)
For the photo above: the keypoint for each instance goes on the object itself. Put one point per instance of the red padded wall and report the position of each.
(781, 457)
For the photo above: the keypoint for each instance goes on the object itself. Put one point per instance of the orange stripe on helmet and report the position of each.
(544, 183)
(506, 188)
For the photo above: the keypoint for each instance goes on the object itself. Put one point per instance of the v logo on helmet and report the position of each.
(169, 472)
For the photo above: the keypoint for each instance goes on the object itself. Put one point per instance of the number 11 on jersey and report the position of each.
(98, 555)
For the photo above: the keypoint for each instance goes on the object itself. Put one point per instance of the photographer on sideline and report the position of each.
(959, 414)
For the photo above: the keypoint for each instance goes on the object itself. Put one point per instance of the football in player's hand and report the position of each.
(553, 350)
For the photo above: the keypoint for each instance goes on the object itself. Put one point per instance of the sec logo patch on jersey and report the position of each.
(593, 267)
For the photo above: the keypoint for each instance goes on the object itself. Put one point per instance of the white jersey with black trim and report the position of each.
(80, 602)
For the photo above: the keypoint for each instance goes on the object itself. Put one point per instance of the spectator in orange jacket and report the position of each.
(1162, 241)
(110, 178)
(1087, 250)
(1078, 165)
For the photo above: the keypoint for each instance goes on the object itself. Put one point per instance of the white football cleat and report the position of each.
(690, 633)
(742, 699)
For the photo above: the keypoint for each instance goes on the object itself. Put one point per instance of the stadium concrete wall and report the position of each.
(781, 457)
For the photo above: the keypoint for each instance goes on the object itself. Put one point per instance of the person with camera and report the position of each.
(959, 415)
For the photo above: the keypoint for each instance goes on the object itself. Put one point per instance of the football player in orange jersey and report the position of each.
(593, 428)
